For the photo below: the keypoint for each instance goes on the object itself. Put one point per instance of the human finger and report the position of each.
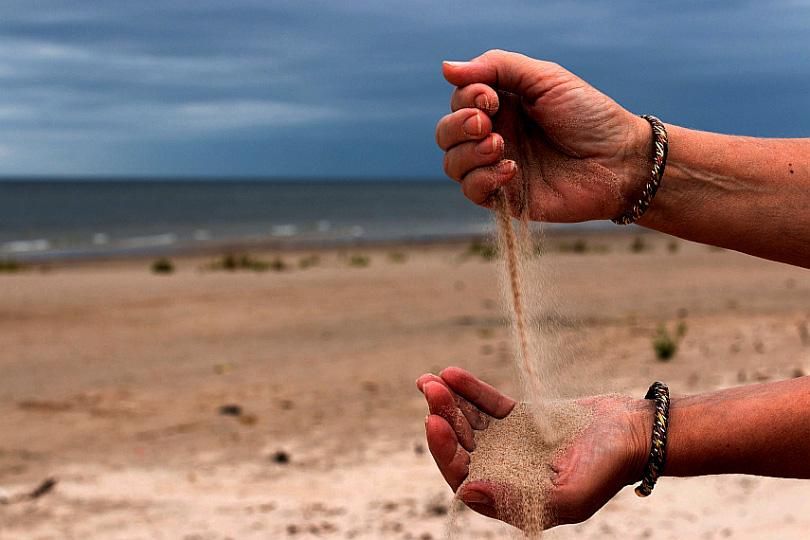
(479, 184)
(508, 71)
(461, 126)
(495, 500)
(479, 393)
(476, 95)
(479, 497)
(474, 416)
(427, 377)
(440, 402)
(453, 461)
(464, 157)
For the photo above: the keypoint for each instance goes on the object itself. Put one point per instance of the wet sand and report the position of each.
(114, 381)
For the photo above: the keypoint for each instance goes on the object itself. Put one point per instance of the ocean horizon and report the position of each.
(65, 218)
(70, 218)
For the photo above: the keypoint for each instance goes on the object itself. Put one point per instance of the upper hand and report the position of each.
(516, 118)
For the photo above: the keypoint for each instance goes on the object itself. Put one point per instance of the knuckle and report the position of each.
(464, 95)
(454, 97)
(471, 188)
(478, 186)
(456, 162)
(446, 164)
(486, 125)
(443, 138)
(461, 98)
(452, 165)
(466, 187)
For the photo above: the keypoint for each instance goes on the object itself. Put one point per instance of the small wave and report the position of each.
(150, 241)
(26, 246)
(99, 239)
(283, 230)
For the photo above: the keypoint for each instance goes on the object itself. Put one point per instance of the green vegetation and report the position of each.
(359, 261)
(233, 262)
(397, 257)
(308, 261)
(577, 246)
(162, 266)
(639, 245)
(540, 249)
(666, 345)
(483, 249)
(580, 246)
(486, 332)
(276, 264)
(9, 266)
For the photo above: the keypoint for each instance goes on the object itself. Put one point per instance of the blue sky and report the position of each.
(347, 89)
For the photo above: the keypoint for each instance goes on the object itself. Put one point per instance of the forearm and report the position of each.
(761, 429)
(742, 193)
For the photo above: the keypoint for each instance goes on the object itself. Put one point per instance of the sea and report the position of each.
(103, 218)
(73, 219)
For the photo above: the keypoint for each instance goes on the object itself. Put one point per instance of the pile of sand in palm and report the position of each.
(514, 453)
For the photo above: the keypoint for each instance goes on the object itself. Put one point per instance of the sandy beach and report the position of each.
(211, 404)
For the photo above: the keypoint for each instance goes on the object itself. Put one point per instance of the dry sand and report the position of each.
(515, 452)
(112, 380)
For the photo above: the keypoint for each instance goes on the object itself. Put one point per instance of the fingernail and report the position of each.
(477, 497)
(482, 102)
(472, 126)
(455, 64)
(487, 146)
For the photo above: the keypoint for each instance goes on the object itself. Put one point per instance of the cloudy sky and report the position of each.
(354, 89)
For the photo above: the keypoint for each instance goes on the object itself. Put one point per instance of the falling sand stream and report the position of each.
(516, 453)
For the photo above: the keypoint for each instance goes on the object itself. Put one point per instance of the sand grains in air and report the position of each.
(517, 452)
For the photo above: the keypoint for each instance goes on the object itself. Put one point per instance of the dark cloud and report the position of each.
(354, 88)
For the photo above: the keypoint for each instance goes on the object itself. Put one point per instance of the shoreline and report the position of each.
(272, 245)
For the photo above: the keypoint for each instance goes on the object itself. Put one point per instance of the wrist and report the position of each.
(642, 418)
(638, 161)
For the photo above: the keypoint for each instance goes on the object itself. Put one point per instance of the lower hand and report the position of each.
(609, 454)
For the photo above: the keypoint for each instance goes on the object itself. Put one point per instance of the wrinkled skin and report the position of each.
(517, 119)
(609, 454)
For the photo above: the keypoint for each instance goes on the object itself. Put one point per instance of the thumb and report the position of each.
(508, 71)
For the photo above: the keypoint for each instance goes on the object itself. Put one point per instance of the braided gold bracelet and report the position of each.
(659, 162)
(658, 450)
